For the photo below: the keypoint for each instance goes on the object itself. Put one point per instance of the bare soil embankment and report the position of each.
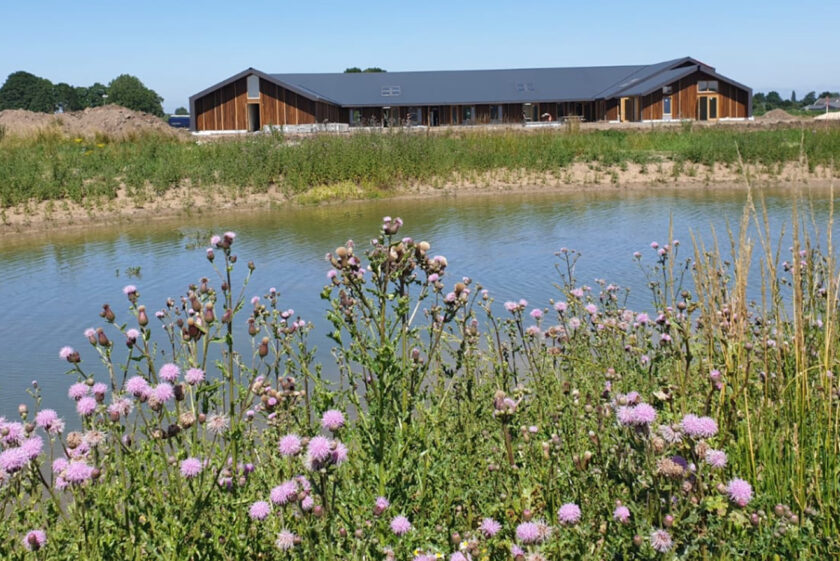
(110, 120)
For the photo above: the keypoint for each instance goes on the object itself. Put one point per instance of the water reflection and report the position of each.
(54, 284)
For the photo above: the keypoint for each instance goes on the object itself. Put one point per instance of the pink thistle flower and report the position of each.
(66, 352)
(569, 514)
(163, 392)
(217, 424)
(284, 493)
(661, 541)
(319, 449)
(129, 289)
(215, 240)
(528, 533)
(230, 236)
(90, 333)
(561, 306)
(380, 505)
(332, 420)
(624, 415)
(536, 313)
(400, 525)
(699, 427)
(169, 372)
(137, 386)
(643, 415)
(290, 445)
(716, 458)
(99, 389)
(259, 510)
(48, 419)
(191, 467)
(86, 406)
(592, 309)
(34, 540)
(77, 472)
(339, 455)
(78, 390)
(59, 465)
(13, 459)
(285, 540)
(489, 527)
(740, 492)
(32, 447)
(457, 556)
(14, 432)
(194, 376)
(307, 503)
(622, 514)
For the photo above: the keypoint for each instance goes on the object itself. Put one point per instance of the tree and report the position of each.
(182, 111)
(66, 97)
(793, 96)
(809, 98)
(773, 99)
(23, 90)
(357, 70)
(129, 91)
(92, 96)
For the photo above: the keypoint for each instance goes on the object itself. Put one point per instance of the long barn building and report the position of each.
(683, 88)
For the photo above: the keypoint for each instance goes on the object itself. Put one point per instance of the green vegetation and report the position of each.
(51, 167)
(703, 428)
(23, 90)
(764, 102)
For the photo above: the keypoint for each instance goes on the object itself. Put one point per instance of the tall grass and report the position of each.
(52, 167)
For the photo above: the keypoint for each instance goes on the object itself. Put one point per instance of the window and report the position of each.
(667, 90)
(253, 86)
(468, 114)
(391, 91)
(707, 86)
(355, 116)
(495, 113)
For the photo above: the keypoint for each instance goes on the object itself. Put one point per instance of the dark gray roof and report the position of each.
(463, 87)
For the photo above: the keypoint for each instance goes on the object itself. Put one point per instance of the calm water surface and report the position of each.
(53, 286)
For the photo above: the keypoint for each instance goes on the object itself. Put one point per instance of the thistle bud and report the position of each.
(107, 313)
(102, 338)
(209, 316)
(263, 350)
(142, 318)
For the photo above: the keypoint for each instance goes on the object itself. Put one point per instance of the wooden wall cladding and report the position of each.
(223, 109)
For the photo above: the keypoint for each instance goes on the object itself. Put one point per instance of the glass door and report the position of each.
(666, 108)
(707, 108)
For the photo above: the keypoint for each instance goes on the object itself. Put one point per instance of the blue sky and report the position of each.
(179, 48)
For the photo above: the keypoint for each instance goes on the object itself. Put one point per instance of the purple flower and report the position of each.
(169, 372)
(86, 406)
(217, 424)
(380, 505)
(622, 514)
(194, 376)
(48, 420)
(34, 540)
(699, 427)
(59, 465)
(457, 556)
(284, 493)
(66, 352)
(528, 532)
(740, 492)
(592, 309)
(32, 447)
(99, 389)
(285, 540)
(307, 503)
(400, 525)
(716, 458)
(536, 313)
(332, 420)
(163, 392)
(13, 459)
(191, 467)
(643, 414)
(137, 386)
(569, 513)
(661, 541)
(289, 445)
(77, 472)
(14, 432)
(215, 240)
(78, 391)
(259, 510)
(129, 289)
(560, 306)
(319, 449)
(489, 527)
(339, 454)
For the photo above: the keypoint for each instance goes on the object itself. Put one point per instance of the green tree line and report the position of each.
(23, 90)
(764, 102)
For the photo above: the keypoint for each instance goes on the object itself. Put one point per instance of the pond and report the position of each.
(55, 284)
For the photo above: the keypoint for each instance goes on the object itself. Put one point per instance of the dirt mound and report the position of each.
(776, 116)
(833, 116)
(111, 120)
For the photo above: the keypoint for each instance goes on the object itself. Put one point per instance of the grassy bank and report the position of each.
(50, 167)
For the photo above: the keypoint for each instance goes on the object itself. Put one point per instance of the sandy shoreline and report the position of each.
(190, 201)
